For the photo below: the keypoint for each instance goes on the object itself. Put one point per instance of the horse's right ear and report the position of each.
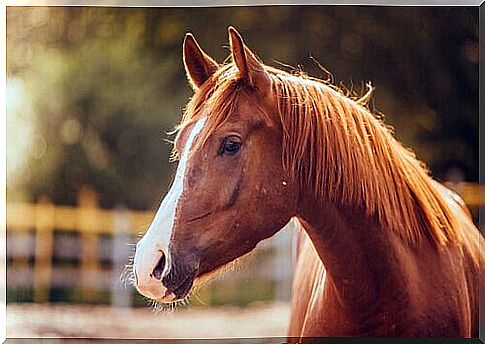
(246, 62)
(198, 65)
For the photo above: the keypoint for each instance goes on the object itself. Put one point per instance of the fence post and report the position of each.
(44, 226)
(120, 290)
(282, 263)
(87, 213)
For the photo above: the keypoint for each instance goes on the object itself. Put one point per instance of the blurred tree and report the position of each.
(105, 84)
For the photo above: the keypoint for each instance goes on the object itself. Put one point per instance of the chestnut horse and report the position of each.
(388, 252)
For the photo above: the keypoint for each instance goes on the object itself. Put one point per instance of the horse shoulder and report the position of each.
(305, 279)
(473, 254)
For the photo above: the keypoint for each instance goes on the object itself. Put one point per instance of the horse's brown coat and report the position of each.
(388, 251)
(376, 285)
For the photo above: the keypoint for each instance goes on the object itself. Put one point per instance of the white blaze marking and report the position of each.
(158, 235)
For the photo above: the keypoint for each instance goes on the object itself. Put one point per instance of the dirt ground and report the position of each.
(33, 320)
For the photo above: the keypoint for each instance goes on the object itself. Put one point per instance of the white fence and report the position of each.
(87, 248)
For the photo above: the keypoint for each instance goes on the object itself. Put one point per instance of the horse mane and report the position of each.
(334, 145)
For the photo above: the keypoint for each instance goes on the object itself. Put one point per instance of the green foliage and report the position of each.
(105, 84)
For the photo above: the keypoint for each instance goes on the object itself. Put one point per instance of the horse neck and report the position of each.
(363, 260)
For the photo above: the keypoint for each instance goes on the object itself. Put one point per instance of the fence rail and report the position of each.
(38, 233)
(32, 230)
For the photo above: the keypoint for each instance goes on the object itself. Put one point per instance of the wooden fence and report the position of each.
(31, 230)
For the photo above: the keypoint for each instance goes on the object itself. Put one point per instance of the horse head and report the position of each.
(230, 190)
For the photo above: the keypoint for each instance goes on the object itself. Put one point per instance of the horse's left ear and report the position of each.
(249, 67)
(198, 65)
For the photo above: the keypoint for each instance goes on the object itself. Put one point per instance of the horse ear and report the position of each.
(198, 65)
(249, 67)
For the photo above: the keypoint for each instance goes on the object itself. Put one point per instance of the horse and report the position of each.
(387, 251)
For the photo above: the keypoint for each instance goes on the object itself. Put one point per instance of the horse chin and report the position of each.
(177, 294)
(183, 289)
(202, 275)
(178, 283)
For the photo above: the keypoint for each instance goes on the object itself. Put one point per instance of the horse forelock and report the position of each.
(334, 145)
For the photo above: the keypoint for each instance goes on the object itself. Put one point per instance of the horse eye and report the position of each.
(230, 146)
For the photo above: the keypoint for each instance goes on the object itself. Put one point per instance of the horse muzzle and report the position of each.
(179, 282)
(160, 277)
(150, 265)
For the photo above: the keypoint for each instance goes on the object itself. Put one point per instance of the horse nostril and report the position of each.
(157, 272)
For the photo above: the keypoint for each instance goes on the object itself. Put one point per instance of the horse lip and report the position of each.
(181, 289)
